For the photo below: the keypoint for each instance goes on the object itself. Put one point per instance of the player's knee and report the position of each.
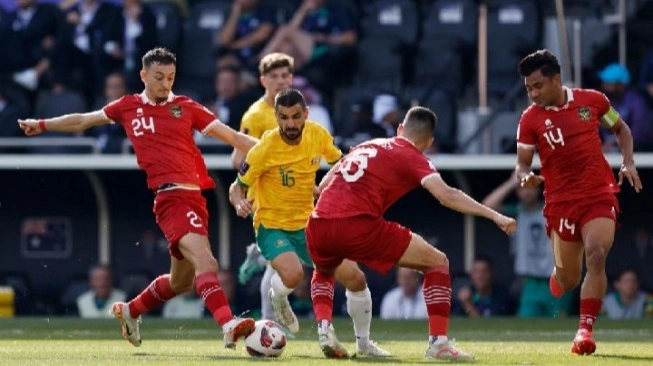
(292, 277)
(568, 280)
(595, 258)
(181, 285)
(357, 281)
(206, 264)
(437, 259)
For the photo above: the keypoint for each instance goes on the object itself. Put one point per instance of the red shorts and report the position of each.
(372, 241)
(179, 212)
(568, 218)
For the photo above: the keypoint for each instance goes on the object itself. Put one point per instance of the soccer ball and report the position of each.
(267, 340)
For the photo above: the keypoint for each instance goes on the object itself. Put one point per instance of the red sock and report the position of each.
(554, 286)
(158, 292)
(322, 296)
(589, 310)
(437, 295)
(208, 287)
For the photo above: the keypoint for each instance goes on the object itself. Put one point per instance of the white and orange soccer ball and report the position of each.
(267, 340)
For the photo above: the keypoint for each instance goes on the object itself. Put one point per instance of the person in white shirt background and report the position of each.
(406, 301)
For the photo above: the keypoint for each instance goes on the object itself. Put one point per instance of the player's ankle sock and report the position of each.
(208, 287)
(438, 340)
(554, 286)
(589, 310)
(322, 296)
(359, 308)
(437, 295)
(158, 292)
(278, 288)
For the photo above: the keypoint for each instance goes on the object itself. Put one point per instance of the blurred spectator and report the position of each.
(632, 107)
(406, 301)
(314, 29)
(483, 298)
(386, 113)
(110, 137)
(646, 76)
(232, 99)
(83, 61)
(9, 114)
(316, 111)
(184, 306)
(301, 301)
(96, 302)
(359, 114)
(532, 250)
(244, 34)
(28, 37)
(127, 41)
(627, 301)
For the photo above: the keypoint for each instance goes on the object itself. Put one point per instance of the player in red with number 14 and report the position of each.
(581, 208)
(160, 126)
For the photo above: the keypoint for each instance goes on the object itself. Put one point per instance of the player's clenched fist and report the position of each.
(507, 224)
(531, 180)
(30, 126)
(244, 207)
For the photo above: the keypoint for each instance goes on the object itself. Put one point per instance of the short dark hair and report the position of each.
(420, 122)
(159, 55)
(275, 61)
(232, 69)
(288, 98)
(625, 270)
(542, 60)
(487, 260)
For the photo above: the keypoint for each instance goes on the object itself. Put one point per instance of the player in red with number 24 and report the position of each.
(160, 126)
(348, 223)
(580, 204)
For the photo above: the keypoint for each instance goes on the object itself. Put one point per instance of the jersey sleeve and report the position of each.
(607, 114)
(254, 164)
(203, 119)
(248, 126)
(113, 110)
(418, 168)
(526, 135)
(331, 152)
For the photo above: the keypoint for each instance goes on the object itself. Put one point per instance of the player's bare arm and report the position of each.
(75, 122)
(456, 199)
(238, 198)
(524, 170)
(234, 138)
(237, 158)
(326, 179)
(625, 140)
(495, 199)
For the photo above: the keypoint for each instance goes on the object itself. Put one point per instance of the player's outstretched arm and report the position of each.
(75, 122)
(238, 198)
(496, 197)
(456, 199)
(234, 138)
(625, 140)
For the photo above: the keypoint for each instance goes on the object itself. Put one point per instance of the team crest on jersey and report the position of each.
(584, 113)
(316, 160)
(175, 111)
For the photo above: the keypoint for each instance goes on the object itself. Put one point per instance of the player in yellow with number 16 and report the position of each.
(282, 168)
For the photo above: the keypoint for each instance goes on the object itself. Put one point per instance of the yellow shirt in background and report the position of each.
(284, 175)
(258, 119)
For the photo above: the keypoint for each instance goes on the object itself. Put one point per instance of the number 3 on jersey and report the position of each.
(354, 165)
(142, 124)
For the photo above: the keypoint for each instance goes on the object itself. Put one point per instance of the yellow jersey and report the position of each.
(258, 119)
(284, 175)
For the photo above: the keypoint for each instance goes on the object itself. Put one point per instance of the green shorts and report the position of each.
(536, 300)
(272, 242)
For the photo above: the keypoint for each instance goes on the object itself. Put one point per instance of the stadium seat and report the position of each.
(395, 20)
(380, 64)
(504, 133)
(168, 22)
(197, 62)
(438, 64)
(349, 103)
(68, 300)
(444, 107)
(22, 287)
(452, 19)
(513, 32)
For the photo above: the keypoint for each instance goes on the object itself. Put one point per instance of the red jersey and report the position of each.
(567, 140)
(162, 136)
(373, 176)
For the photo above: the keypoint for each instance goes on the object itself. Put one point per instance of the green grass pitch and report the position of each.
(64, 341)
